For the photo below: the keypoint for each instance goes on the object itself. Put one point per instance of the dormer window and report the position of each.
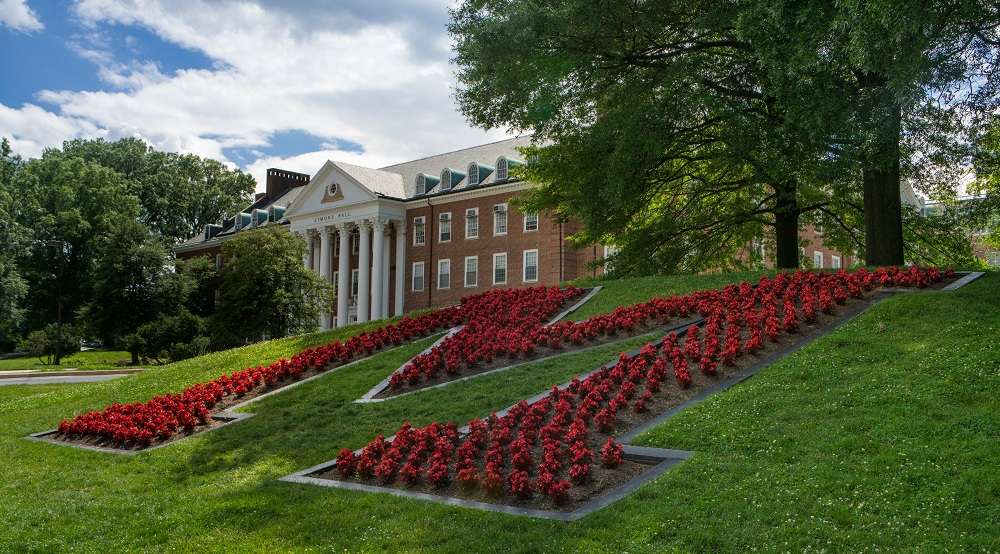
(450, 178)
(503, 168)
(477, 173)
(424, 183)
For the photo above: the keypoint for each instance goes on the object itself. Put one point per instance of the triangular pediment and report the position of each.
(331, 187)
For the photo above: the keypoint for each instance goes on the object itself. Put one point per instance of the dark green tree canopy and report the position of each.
(670, 126)
(264, 289)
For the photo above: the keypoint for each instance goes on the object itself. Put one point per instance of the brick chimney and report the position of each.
(280, 181)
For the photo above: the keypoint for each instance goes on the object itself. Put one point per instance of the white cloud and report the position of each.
(372, 81)
(18, 16)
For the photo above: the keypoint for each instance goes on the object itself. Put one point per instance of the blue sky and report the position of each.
(263, 83)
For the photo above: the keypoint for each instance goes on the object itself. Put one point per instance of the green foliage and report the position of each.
(48, 342)
(71, 206)
(844, 446)
(679, 130)
(170, 337)
(89, 226)
(265, 291)
(178, 193)
(14, 237)
(128, 269)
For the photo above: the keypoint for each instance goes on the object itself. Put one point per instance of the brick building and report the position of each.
(412, 235)
(425, 232)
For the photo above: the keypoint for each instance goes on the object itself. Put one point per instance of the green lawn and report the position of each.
(89, 359)
(884, 435)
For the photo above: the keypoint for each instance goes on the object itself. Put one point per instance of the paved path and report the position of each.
(57, 379)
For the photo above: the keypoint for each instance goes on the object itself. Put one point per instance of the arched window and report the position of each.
(473, 174)
(446, 179)
(424, 183)
(501, 174)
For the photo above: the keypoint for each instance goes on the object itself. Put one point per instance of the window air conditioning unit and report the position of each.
(499, 209)
(445, 217)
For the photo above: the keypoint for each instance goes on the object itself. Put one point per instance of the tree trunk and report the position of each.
(880, 177)
(786, 227)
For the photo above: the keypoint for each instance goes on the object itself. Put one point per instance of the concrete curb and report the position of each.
(227, 416)
(382, 385)
(663, 458)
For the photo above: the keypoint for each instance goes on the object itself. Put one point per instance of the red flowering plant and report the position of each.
(548, 446)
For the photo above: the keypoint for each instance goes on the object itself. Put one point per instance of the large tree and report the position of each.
(71, 206)
(14, 238)
(662, 133)
(677, 126)
(264, 289)
(908, 76)
(178, 193)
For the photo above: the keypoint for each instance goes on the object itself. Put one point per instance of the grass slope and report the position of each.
(880, 436)
(88, 359)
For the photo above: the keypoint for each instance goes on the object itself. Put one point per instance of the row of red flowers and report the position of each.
(550, 446)
(508, 328)
(142, 423)
(519, 331)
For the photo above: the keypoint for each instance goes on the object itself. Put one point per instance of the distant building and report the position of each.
(982, 250)
(412, 235)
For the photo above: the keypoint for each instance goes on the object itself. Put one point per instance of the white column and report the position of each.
(315, 251)
(325, 250)
(378, 229)
(309, 248)
(385, 273)
(400, 265)
(305, 254)
(344, 277)
(364, 270)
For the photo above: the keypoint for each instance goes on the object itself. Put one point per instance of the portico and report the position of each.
(355, 232)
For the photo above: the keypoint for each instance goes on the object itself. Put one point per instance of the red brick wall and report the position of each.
(549, 240)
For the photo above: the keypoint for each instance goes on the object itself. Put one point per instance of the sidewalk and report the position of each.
(68, 372)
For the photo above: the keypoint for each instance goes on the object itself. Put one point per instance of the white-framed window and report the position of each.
(817, 259)
(500, 219)
(500, 268)
(355, 243)
(417, 277)
(501, 170)
(336, 283)
(530, 266)
(472, 271)
(472, 223)
(444, 227)
(473, 174)
(419, 230)
(354, 283)
(609, 250)
(420, 186)
(218, 261)
(530, 222)
(444, 274)
(336, 246)
(835, 262)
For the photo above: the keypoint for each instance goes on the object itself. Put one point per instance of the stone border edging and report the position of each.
(663, 458)
(227, 416)
(382, 385)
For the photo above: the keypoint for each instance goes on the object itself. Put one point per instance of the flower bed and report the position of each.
(166, 417)
(519, 335)
(559, 451)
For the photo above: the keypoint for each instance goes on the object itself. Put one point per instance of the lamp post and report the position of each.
(59, 303)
